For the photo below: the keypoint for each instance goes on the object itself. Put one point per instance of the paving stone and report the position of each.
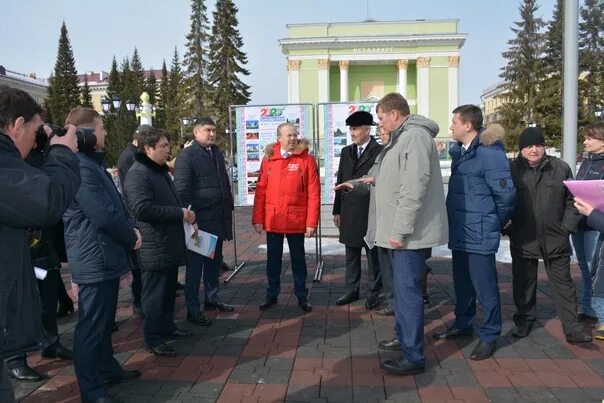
(572, 395)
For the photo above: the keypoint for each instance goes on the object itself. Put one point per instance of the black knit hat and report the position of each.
(531, 136)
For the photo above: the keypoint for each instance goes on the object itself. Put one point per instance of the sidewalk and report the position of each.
(331, 354)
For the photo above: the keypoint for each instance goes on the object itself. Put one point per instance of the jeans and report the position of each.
(598, 305)
(585, 248)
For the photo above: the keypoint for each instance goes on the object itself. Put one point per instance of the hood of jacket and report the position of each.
(273, 150)
(420, 121)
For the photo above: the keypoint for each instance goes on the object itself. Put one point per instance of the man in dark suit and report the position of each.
(351, 209)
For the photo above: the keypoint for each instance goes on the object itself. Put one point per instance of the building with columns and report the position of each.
(340, 62)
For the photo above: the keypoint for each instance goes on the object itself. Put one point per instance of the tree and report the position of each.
(151, 87)
(86, 95)
(591, 57)
(521, 74)
(138, 77)
(174, 97)
(160, 115)
(63, 91)
(114, 85)
(195, 60)
(226, 65)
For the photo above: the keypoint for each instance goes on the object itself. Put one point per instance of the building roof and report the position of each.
(28, 78)
(103, 76)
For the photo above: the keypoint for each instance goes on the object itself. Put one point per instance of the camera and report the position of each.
(85, 136)
(186, 137)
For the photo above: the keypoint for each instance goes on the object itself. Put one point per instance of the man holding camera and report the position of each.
(99, 238)
(32, 198)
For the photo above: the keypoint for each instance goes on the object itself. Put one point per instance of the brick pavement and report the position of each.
(331, 355)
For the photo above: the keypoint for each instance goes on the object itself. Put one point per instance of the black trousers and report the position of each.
(49, 294)
(386, 276)
(525, 290)
(7, 394)
(136, 287)
(353, 270)
(158, 296)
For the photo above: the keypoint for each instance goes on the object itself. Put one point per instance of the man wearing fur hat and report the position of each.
(542, 222)
(351, 209)
(286, 204)
(480, 201)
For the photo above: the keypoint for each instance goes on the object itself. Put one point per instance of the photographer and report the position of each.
(99, 238)
(32, 198)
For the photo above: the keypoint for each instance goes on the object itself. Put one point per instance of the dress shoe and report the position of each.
(58, 352)
(25, 373)
(199, 319)
(218, 306)
(105, 399)
(124, 376)
(65, 308)
(391, 345)
(483, 351)
(180, 333)
(453, 333)
(225, 267)
(304, 305)
(163, 350)
(268, 303)
(386, 311)
(578, 337)
(372, 302)
(347, 298)
(402, 366)
(592, 320)
(522, 330)
(426, 299)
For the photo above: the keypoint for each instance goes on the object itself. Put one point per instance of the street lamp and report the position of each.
(599, 113)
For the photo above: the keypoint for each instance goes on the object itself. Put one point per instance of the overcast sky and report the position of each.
(98, 30)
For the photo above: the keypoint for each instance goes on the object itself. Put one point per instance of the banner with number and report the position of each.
(255, 128)
(336, 136)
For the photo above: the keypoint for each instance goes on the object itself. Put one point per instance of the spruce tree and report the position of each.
(522, 73)
(64, 93)
(591, 58)
(160, 115)
(138, 77)
(114, 85)
(196, 60)
(86, 101)
(174, 99)
(226, 66)
(151, 87)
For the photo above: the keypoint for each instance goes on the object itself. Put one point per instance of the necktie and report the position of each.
(359, 152)
(209, 150)
(286, 155)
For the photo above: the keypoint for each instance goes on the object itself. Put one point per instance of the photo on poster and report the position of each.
(339, 133)
(254, 147)
(252, 136)
(253, 156)
(340, 141)
(251, 124)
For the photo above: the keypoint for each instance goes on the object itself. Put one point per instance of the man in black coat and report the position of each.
(154, 201)
(31, 198)
(544, 218)
(202, 182)
(351, 209)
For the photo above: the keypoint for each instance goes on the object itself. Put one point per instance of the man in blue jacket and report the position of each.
(99, 237)
(480, 201)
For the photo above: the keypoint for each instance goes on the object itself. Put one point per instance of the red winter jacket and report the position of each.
(287, 198)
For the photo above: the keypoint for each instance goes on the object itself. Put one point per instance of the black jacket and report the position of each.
(545, 215)
(125, 162)
(31, 198)
(153, 200)
(201, 181)
(353, 207)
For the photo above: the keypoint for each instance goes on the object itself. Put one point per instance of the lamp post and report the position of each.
(599, 113)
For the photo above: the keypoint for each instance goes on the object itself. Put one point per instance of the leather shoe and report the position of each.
(105, 399)
(124, 376)
(386, 311)
(453, 333)
(347, 298)
(522, 330)
(218, 306)
(304, 305)
(591, 320)
(372, 302)
(180, 333)
(268, 303)
(199, 319)
(402, 366)
(58, 352)
(25, 373)
(162, 349)
(391, 345)
(578, 337)
(483, 351)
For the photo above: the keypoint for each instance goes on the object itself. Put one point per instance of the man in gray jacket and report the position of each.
(411, 219)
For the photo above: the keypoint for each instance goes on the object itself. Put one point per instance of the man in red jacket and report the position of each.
(287, 203)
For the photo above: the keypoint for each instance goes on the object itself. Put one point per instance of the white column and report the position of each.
(453, 82)
(423, 86)
(402, 76)
(323, 80)
(293, 81)
(344, 80)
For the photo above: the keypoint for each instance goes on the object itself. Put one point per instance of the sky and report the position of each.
(99, 30)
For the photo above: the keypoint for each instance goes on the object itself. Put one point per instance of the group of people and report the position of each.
(395, 208)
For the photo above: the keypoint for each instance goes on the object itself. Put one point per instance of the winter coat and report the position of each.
(287, 198)
(596, 221)
(154, 201)
(125, 162)
(202, 182)
(545, 214)
(353, 207)
(410, 198)
(98, 234)
(481, 196)
(31, 198)
(592, 168)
